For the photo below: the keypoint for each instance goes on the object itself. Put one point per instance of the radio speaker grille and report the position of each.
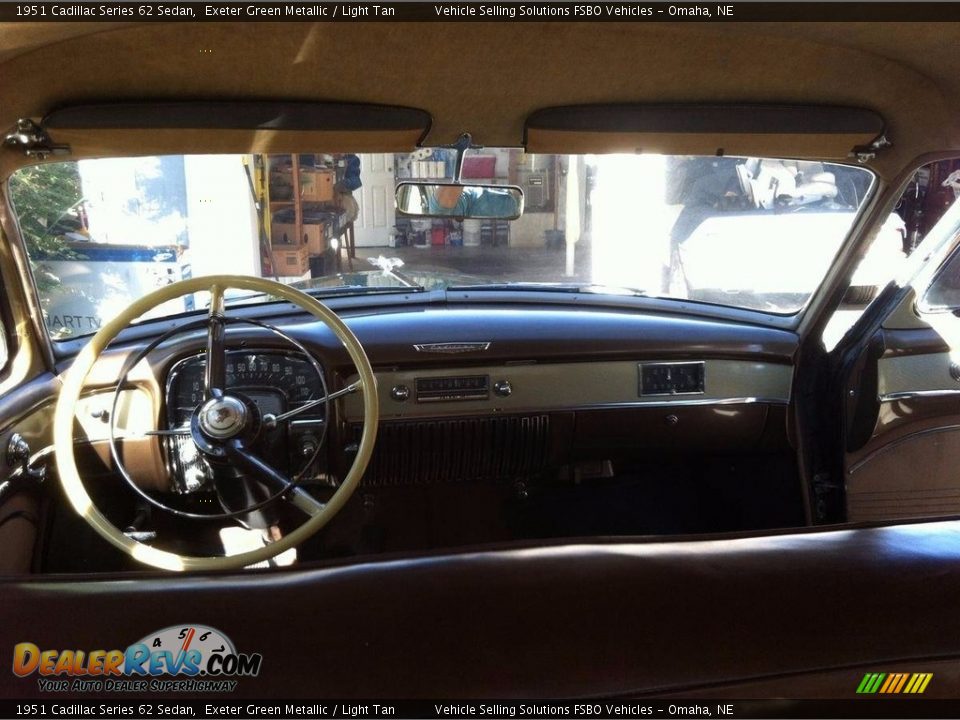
(459, 449)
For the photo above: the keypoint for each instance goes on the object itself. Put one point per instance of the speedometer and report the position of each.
(291, 376)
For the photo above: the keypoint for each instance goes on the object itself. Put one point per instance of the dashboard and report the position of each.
(482, 392)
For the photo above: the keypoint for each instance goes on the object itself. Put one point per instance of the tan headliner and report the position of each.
(487, 77)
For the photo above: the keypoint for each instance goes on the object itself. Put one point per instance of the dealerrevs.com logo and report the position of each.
(187, 658)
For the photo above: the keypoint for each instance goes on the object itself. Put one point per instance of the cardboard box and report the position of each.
(283, 234)
(315, 238)
(316, 185)
(290, 260)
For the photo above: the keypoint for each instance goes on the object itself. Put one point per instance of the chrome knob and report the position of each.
(503, 388)
(400, 393)
(308, 447)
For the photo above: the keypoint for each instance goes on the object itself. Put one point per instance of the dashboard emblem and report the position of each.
(452, 347)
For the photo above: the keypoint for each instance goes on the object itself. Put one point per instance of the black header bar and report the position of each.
(372, 11)
(306, 709)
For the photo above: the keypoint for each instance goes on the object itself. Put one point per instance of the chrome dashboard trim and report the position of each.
(452, 348)
(685, 402)
(915, 394)
(723, 402)
(307, 423)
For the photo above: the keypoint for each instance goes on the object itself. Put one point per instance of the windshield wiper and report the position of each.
(572, 288)
(335, 290)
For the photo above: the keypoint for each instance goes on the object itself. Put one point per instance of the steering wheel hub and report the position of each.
(222, 418)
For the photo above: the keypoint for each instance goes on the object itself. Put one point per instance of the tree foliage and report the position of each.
(44, 197)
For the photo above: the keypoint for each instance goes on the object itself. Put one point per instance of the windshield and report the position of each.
(742, 232)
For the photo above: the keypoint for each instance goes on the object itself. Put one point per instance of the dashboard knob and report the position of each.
(955, 371)
(503, 388)
(400, 393)
(308, 447)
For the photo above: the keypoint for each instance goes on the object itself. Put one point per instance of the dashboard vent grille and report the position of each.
(437, 451)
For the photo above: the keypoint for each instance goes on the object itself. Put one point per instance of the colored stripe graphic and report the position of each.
(870, 683)
(901, 683)
(886, 685)
(894, 683)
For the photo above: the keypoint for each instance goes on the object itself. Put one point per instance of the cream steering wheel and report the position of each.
(221, 421)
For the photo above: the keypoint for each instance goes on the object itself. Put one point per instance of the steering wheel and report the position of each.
(221, 425)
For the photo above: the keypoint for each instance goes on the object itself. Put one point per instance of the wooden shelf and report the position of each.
(291, 166)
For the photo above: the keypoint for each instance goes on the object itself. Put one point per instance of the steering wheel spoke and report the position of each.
(274, 420)
(215, 375)
(249, 463)
(304, 501)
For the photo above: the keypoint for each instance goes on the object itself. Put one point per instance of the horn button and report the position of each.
(221, 419)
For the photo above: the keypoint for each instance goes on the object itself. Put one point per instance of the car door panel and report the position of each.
(905, 465)
(22, 414)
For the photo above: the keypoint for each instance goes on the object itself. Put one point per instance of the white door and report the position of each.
(377, 210)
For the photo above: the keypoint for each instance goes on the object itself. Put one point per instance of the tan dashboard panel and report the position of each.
(137, 412)
(566, 386)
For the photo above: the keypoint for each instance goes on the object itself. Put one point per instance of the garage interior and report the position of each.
(313, 234)
(303, 199)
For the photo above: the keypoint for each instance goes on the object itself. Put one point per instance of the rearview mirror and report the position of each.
(453, 200)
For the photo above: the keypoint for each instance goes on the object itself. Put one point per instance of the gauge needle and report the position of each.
(272, 420)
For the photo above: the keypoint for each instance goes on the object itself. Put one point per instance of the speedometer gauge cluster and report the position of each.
(275, 382)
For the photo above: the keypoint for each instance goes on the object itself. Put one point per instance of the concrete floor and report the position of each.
(485, 264)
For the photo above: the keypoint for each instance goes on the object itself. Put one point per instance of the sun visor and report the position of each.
(813, 132)
(159, 128)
